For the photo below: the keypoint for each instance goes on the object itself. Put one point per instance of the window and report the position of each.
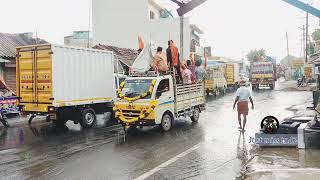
(152, 15)
(163, 86)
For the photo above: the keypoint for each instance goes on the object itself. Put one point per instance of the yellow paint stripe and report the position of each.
(84, 100)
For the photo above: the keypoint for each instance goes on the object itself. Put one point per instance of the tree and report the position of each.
(316, 35)
(255, 55)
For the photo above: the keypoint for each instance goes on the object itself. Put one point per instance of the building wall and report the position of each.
(154, 10)
(166, 29)
(118, 23)
(70, 41)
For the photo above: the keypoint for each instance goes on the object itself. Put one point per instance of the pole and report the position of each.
(181, 36)
(303, 41)
(287, 44)
(307, 38)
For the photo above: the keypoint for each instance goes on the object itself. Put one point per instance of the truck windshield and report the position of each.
(135, 87)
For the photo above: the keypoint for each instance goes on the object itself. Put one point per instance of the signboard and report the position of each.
(298, 63)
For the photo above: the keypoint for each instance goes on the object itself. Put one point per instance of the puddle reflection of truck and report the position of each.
(65, 83)
(263, 74)
(157, 100)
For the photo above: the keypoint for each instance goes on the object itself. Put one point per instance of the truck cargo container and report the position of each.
(231, 71)
(65, 83)
(215, 82)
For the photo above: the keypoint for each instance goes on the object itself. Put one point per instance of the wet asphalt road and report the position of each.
(210, 149)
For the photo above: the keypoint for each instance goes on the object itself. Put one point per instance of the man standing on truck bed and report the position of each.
(243, 94)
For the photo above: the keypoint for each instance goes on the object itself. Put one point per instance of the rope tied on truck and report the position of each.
(143, 114)
(143, 95)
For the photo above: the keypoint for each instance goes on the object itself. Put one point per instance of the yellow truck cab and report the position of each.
(157, 100)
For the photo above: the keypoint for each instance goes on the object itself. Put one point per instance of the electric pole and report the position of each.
(307, 37)
(303, 40)
(287, 44)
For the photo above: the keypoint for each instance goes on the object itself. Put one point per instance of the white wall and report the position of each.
(163, 30)
(118, 23)
(154, 10)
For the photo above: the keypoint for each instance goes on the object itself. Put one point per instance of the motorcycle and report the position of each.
(301, 82)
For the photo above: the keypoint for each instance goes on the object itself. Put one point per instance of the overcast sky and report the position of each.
(232, 27)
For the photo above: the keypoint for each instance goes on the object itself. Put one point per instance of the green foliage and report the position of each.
(255, 55)
(316, 35)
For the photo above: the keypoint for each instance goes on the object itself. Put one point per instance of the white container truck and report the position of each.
(65, 83)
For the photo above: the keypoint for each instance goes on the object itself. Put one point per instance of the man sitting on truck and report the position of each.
(243, 94)
(159, 62)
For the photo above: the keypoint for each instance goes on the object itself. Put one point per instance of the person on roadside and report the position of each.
(186, 74)
(199, 71)
(243, 95)
(159, 62)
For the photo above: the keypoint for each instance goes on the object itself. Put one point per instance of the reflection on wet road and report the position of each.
(211, 149)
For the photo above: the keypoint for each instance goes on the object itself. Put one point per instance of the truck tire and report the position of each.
(196, 114)
(88, 118)
(272, 86)
(208, 92)
(166, 122)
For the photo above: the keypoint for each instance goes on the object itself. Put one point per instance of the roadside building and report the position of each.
(79, 39)
(124, 57)
(8, 44)
(147, 18)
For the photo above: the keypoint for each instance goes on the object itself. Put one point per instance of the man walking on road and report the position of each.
(243, 95)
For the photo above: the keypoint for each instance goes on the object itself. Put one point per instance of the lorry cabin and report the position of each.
(65, 83)
(157, 100)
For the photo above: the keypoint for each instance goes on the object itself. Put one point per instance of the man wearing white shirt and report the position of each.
(243, 95)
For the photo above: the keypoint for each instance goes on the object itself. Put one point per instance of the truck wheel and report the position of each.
(166, 122)
(196, 115)
(272, 86)
(224, 91)
(88, 118)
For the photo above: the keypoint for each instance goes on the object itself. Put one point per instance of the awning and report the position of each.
(3, 85)
(4, 60)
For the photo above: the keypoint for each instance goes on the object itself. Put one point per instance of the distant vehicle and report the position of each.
(65, 83)
(263, 74)
(231, 71)
(215, 82)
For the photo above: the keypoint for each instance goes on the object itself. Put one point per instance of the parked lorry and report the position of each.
(231, 71)
(263, 74)
(65, 83)
(155, 99)
(215, 82)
